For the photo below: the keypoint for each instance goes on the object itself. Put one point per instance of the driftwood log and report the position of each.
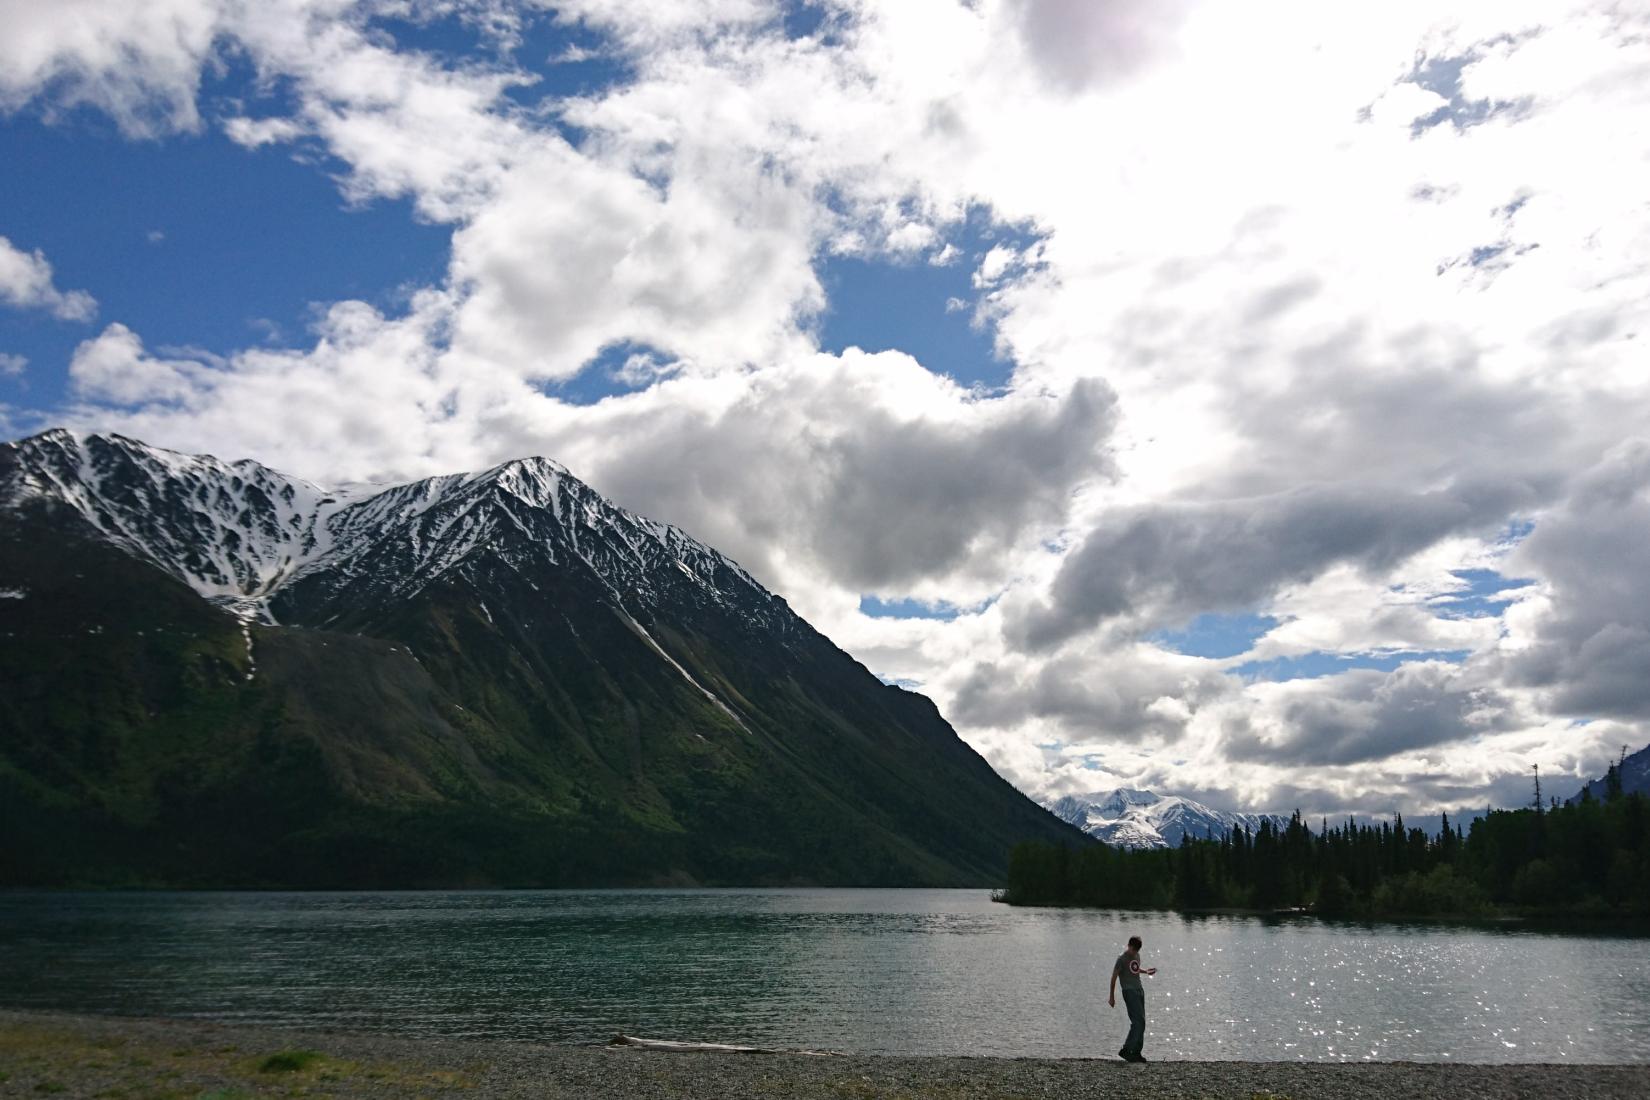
(718, 1048)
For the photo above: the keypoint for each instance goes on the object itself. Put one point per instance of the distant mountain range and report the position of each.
(1635, 777)
(218, 674)
(1128, 818)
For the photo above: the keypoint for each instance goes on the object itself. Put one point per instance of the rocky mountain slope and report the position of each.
(1126, 818)
(1635, 776)
(219, 674)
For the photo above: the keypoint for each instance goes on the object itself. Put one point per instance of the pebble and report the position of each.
(86, 1056)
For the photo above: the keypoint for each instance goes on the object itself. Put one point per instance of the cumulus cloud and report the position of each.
(1127, 694)
(548, 284)
(11, 366)
(114, 367)
(1164, 563)
(26, 283)
(1305, 315)
(140, 64)
(1586, 643)
(1361, 715)
(1079, 43)
(875, 472)
(254, 133)
(365, 395)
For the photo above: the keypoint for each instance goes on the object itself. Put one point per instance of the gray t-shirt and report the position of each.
(1127, 970)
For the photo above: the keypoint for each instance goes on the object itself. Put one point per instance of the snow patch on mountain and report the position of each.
(242, 534)
(234, 532)
(1128, 818)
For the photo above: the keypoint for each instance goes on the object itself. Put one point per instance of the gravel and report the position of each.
(86, 1056)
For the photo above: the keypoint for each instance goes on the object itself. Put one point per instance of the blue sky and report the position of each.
(201, 244)
(195, 242)
(1299, 345)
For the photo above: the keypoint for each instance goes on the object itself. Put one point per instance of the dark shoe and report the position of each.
(1123, 1054)
(1141, 1058)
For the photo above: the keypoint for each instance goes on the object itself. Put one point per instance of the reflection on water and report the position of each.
(873, 971)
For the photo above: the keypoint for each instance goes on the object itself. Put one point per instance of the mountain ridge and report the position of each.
(495, 677)
(1634, 771)
(1130, 818)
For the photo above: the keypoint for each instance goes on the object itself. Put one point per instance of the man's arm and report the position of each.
(1111, 997)
(1135, 966)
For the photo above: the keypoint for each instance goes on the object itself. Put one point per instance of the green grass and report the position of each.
(289, 1061)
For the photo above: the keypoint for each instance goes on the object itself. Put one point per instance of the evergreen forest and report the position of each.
(1590, 858)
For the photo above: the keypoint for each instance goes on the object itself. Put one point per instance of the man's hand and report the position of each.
(1111, 999)
(1151, 970)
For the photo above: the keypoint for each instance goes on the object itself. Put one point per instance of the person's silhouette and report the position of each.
(1126, 972)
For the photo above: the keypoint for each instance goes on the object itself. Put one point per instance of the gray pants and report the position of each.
(1135, 1001)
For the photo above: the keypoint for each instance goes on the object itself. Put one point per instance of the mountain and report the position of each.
(1127, 818)
(1635, 777)
(217, 674)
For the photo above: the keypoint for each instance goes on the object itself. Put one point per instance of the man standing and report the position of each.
(1126, 972)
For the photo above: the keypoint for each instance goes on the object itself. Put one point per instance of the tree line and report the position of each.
(1589, 858)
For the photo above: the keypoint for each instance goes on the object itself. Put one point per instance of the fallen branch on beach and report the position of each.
(718, 1048)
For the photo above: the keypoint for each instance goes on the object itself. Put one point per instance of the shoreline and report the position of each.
(74, 1055)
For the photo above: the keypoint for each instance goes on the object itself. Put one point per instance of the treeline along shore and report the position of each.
(1590, 859)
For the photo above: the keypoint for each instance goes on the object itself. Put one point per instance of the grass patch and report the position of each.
(43, 1059)
(290, 1061)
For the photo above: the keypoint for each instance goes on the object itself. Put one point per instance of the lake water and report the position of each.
(866, 971)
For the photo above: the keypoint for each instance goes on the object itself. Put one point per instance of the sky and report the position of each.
(1245, 402)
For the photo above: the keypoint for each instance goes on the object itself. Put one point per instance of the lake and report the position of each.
(864, 971)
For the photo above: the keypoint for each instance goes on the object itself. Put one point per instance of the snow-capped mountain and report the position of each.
(250, 538)
(220, 674)
(1128, 818)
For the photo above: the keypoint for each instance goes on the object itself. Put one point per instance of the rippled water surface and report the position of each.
(872, 971)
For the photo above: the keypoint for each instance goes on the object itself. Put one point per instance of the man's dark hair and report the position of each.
(1134, 942)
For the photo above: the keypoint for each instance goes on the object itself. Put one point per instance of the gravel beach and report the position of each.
(96, 1056)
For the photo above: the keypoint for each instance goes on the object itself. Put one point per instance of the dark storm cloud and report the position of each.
(1165, 563)
(1592, 648)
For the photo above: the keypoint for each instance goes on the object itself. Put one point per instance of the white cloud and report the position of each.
(255, 133)
(26, 283)
(113, 366)
(140, 63)
(363, 403)
(11, 366)
(1317, 304)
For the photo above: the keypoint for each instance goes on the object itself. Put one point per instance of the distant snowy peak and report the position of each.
(1130, 818)
(246, 536)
